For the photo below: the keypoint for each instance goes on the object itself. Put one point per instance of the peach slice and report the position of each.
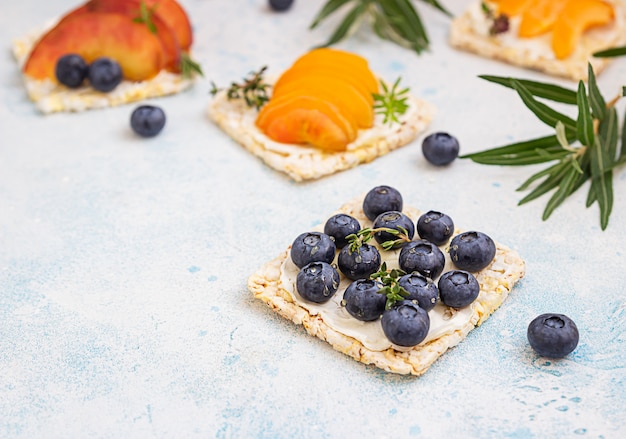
(306, 119)
(131, 8)
(173, 14)
(93, 35)
(511, 8)
(540, 17)
(577, 17)
(341, 93)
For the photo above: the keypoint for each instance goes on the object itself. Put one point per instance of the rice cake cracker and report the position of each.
(50, 97)
(302, 162)
(470, 32)
(274, 284)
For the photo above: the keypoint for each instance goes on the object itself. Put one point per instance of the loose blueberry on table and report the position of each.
(71, 70)
(317, 282)
(423, 257)
(359, 263)
(440, 149)
(393, 220)
(435, 227)
(147, 120)
(339, 226)
(362, 300)
(553, 335)
(458, 288)
(472, 251)
(280, 5)
(381, 199)
(104, 74)
(406, 324)
(420, 289)
(312, 247)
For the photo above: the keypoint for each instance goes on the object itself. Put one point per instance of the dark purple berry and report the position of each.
(105, 74)
(458, 288)
(472, 251)
(312, 247)
(71, 70)
(147, 120)
(381, 199)
(406, 324)
(363, 301)
(339, 226)
(440, 148)
(359, 264)
(423, 257)
(553, 335)
(435, 227)
(317, 282)
(280, 5)
(420, 289)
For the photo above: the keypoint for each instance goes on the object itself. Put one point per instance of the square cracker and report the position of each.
(469, 32)
(496, 281)
(50, 97)
(302, 162)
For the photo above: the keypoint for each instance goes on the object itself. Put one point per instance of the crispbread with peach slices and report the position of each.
(151, 54)
(274, 284)
(471, 31)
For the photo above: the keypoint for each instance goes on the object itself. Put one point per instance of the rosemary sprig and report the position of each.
(391, 288)
(391, 103)
(253, 89)
(587, 148)
(145, 14)
(356, 240)
(394, 20)
(188, 67)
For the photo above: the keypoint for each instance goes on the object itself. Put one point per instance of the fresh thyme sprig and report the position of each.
(145, 15)
(391, 103)
(587, 148)
(394, 20)
(253, 89)
(356, 240)
(391, 288)
(188, 67)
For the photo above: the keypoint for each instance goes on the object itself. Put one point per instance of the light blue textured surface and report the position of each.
(123, 262)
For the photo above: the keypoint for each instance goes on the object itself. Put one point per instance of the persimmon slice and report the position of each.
(540, 17)
(577, 17)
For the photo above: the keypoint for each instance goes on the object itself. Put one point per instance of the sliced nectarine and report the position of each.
(540, 17)
(132, 9)
(511, 8)
(173, 14)
(306, 119)
(93, 35)
(576, 18)
(338, 91)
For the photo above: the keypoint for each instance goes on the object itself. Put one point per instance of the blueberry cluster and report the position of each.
(420, 284)
(104, 74)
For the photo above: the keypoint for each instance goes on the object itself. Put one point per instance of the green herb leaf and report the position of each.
(610, 53)
(330, 7)
(405, 21)
(566, 186)
(602, 182)
(253, 89)
(598, 104)
(540, 89)
(438, 6)
(145, 16)
(391, 103)
(188, 67)
(585, 122)
(350, 22)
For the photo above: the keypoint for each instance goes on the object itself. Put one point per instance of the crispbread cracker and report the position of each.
(301, 162)
(50, 97)
(496, 281)
(468, 33)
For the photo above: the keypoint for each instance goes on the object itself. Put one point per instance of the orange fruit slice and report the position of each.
(512, 7)
(540, 16)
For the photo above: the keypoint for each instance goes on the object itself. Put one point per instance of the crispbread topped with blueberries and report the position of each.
(356, 304)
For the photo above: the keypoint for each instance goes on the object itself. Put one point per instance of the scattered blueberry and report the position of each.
(435, 227)
(105, 74)
(553, 335)
(381, 199)
(312, 247)
(420, 289)
(71, 70)
(317, 282)
(359, 264)
(472, 251)
(440, 148)
(423, 257)
(147, 120)
(280, 5)
(339, 226)
(393, 220)
(363, 301)
(458, 288)
(406, 324)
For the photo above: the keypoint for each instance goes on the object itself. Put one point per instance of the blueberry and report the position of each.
(406, 324)
(280, 5)
(359, 264)
(147, 120)
(553, 335)
(393, 220)
(312, 247)
(472, 251)
(339, 226)
(423, 257)
(381, 199)
(420, 289)
(435, 227)
(71, 70)
(363, 301)
(440, 148)
(317, 282)
(458, 288)
(105, 74)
